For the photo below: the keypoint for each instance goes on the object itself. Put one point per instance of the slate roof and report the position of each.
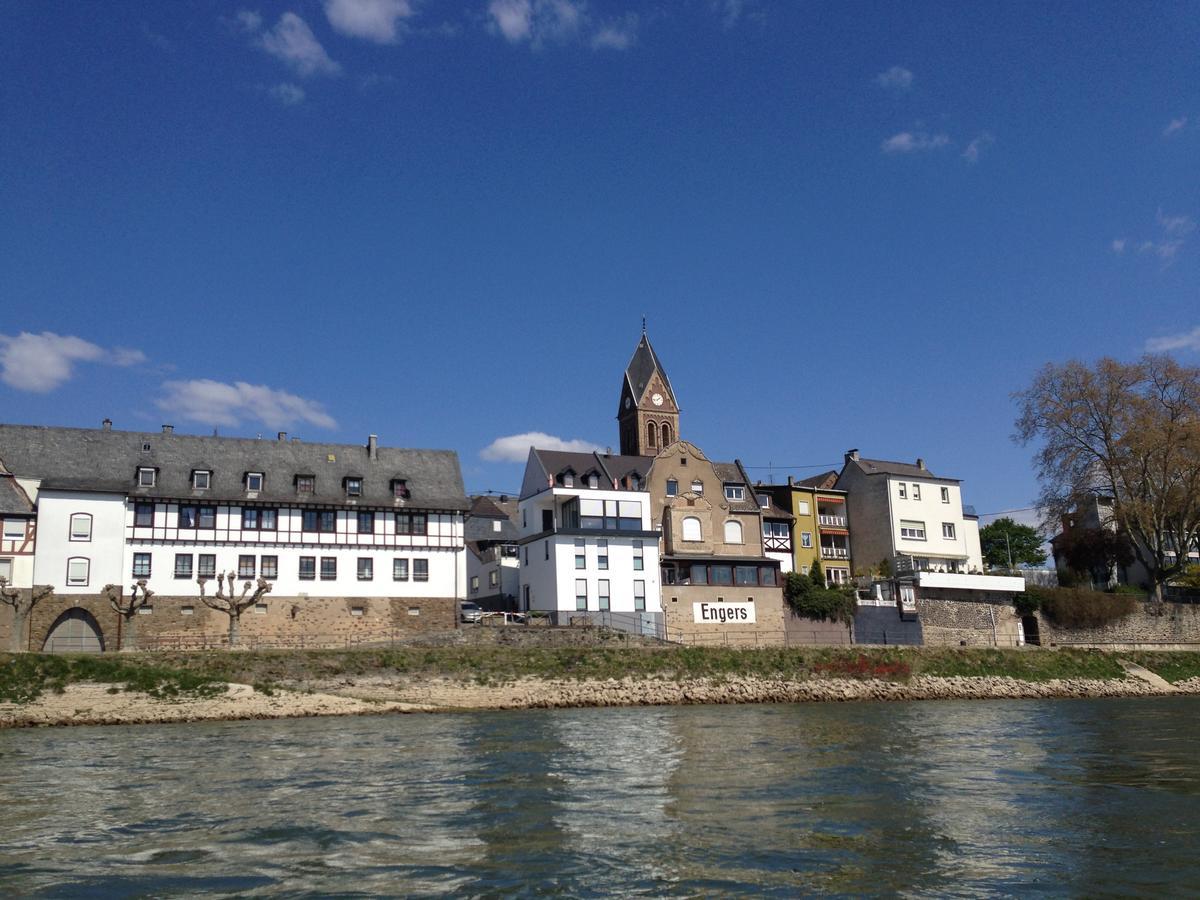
(611, 467)
(13, 499)
(481, 519)
(642, 367)
(907, 470)
(733, 473)
(101, 460)
(823, 482)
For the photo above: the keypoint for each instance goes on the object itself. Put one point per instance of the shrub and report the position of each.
(1132, 590)
(1081, 608)
(812, 601)
(1026, 604)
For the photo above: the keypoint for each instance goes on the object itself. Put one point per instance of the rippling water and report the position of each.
(1071, 797)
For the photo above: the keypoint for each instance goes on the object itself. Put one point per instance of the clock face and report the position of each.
(657, 399)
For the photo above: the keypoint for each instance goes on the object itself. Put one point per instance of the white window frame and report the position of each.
(916, 528)
(354, 487)
(250, 479)
(916, 491)
(147, 476)
(6, 568)
(736, 492)
(699, 529)
(581, 594)
(945, 495)
(14, 529)
(734, 533)
(76, 580)
(948, 531)
(201, 475)
(639, 595)
(806, 540)
(603, 595)
(903, 490)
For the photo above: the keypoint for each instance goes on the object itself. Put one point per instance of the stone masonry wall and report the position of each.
(1172, 625)
(768, 629)
(954, 623)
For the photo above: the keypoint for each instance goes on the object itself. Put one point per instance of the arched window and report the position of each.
(81, 526)
(733, 532)
(691, 529)
(651, 434)
(698, 487)
(666, 433)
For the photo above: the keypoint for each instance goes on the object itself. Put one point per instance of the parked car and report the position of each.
(469, 612)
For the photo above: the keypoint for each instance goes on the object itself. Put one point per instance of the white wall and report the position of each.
(105, 550)
(933, 512)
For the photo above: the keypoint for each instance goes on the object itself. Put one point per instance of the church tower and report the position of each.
(648, 416)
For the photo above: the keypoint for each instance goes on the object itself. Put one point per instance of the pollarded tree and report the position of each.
(233, 606)
(1008, 543)
(22, 603)
(128, 608)
(1128, 431)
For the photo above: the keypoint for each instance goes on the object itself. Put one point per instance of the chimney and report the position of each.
(167, 429)
(852, 455)
(791, 481)
(920, 463)
(281, 436)
(504, 498)
(106, 425)
(373, 446)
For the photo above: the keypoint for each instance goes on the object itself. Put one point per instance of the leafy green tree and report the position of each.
(1006, 543)
(1094, 552)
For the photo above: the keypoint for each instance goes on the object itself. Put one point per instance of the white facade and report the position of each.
(927, 523)
(567, 568)
(81, 545)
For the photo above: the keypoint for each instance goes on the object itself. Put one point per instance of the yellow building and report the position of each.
(821, 526)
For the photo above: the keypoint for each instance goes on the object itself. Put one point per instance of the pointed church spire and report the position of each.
(648, 413)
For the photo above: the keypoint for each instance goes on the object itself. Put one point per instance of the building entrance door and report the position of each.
(76, 631)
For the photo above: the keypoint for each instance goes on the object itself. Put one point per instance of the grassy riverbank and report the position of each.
(170, 674)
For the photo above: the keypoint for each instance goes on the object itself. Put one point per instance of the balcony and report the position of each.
(831, 521)
(776, 544)
(828, 552)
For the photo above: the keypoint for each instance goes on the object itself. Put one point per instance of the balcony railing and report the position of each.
(832, 521)
(834, 552)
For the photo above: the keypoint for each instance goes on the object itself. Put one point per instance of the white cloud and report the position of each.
(287, 93)
(1175, 225)
(1164, 250)
(248, 20)
(537, 21)
(731, 11)
(1175, 125)
(897, 78)
(913, 142)
(43, 362)
(1175, 230)
(217, 403)
(371, 20)
(971, 154)
(619, 35)
(515, 447)
(1187, 340)
(292, 41)
(1118, 245)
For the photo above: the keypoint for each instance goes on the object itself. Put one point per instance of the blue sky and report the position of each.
(849, 225)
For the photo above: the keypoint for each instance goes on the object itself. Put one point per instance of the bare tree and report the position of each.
(139, 598)
(22, 604)
(233, 606)
(1129, 431)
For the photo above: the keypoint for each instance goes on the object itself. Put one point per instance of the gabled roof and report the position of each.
(88, 459)
(13, 499)
(733, 473)
(823, 482)
(643, 366)
(544, 465)
(481, 522)
(906, 470)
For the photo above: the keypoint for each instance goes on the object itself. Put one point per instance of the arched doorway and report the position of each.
(75, 631)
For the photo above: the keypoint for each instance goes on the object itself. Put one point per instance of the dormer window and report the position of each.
(764, 500)
(593, 481)
(147, 476)
(354, 486)
(400, 489)
(201, 479)
(735, 492)
(306, 484)
(254, 482)
(567, 479)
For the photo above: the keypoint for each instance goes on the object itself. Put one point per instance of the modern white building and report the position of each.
(586, 541)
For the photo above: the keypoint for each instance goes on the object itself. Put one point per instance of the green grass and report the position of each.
(1171, 666)
(25, 676)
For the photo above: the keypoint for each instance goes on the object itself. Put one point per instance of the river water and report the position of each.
(943, 798)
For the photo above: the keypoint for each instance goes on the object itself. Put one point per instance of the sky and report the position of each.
(848, 225)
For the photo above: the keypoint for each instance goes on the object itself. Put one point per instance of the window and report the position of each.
(81, 527)
(354, 487)
(319, 520)
(745, 574)
(639, 561)
(733, 532)
(399, 570)
(207, 517)
(903, 491)
(246, 568)
(308, 568)
(147, 477)
(945, 495)
(493, 578)
(328, 568)
(672, 487)
(948, 530)
(916, 491)
(568, 479)
(497, 526)
(764, 500)
(187, 517)
(666, 436)
(6, 568)
(546, 549)
(256, 519)
(912, 530)
(411, 523)
(400, 489)
(525, 594)
(651, 435)
(366, 523)
(366, 569)
(806, 540)
(143, 515)
(306, 484)
(268, 567)
(254, 481)
(639, 595)
(593, 481)
(206, 565)
(201, 479)
(602, 595)
(183, 565)
(14, 529)
(78, 568)
(141, 565)
(580, 593)
(735, 492)
(775, 530)
(580, 553)
(802, 507)
(720, 574)
(602, 554)
(420, 570)
(691, 529)
(698, 487)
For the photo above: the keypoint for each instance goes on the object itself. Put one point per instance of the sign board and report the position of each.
(723, 613)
